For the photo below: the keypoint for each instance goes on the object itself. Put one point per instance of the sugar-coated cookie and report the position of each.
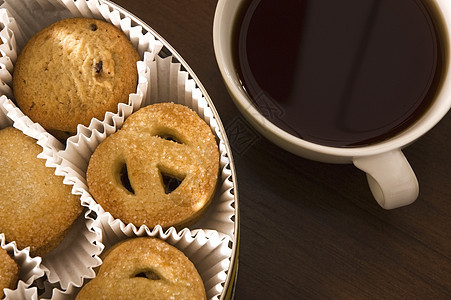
(9, 272)
(145, 268)
(161, 168)
(72, 71)
(36, 208)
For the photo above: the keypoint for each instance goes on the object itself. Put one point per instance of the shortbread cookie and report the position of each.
(36, 208)
(72, 71)
(9, 272)
(145, 268)
(161, 168)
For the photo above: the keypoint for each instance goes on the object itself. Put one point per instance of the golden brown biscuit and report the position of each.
(161, 168)
(36, 208)
(72, 71)
(9, 272)
(145, 268)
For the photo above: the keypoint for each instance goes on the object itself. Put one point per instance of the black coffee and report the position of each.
(339, 72)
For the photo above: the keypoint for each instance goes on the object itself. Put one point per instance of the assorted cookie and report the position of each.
(36, 208)
(145, 268)
(160, 168)
(9, 272)
(72, 71)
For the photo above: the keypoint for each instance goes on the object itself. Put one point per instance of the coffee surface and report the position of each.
(339, 73)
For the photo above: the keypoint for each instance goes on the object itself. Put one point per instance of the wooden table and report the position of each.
(311, 230)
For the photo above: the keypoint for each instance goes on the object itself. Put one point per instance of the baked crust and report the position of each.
(36, 208)
(9, 272)
(74, 70)
(145, 268)
(159, 140)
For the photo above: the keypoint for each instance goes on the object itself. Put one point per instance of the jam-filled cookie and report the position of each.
(36, 208)
(160, 168)
(145, 268)
(72, 71)
(9, 272)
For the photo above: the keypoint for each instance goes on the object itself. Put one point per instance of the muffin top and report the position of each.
(72, 71)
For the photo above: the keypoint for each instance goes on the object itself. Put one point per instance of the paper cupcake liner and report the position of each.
(8, 53)
(32, 16)
(29, 270)
(208, 251)
(75, 257)
(5, 121)
(168, 82)
(73, 262)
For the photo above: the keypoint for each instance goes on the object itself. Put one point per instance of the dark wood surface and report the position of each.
(311, 230)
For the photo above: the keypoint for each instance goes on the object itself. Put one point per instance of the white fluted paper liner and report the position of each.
(8, 52)
(5, 121)
(209, 251)
(74, 259)
(33, 15)
(168, 84)
(29, 270)
(8, 41)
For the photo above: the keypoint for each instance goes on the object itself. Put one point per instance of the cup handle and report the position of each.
(390, 177)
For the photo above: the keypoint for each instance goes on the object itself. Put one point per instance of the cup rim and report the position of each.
(222, 35)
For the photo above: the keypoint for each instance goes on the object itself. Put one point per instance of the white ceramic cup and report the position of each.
(390, 177)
